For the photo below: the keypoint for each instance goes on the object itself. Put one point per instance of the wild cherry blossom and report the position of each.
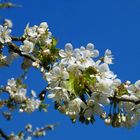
(5, 34)
(78, 80)
(57, 76)
(67, 55)
(108, 57)
(27, 47)
(8, 23)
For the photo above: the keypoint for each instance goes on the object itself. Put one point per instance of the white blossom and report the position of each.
(31, 32)
(20, 95)
(133, 115)
(92, 52)
(32, 104)
(108, 121)
(28, 127)
(108, 57)
(8, 23)
(11, 82)
(36, 64)
(137, 84)
(27, 47)
(104, 85)
(59, 94)
(67, 55)
(134, 89)
(101, 98)
(42, 28)
(5, 34)
(57, 76)
(74, 107)
(93, 109)
(33, 94)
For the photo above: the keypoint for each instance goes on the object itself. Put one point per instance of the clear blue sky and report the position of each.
(109, 24)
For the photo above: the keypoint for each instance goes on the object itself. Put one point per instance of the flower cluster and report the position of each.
(39, 42)
(5, 34)
(5, 38)
(18, 94)
(36, 35)
(20, 136)
(79, 81)
(29, 133)
(81, 85)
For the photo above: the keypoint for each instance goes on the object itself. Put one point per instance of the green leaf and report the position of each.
(43, 107)
(122, 90)
(54, 42)
(87, 75)
(91, 70)
(73, 84)
(8, 5)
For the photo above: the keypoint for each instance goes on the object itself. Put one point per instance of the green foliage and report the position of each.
(122, 90)
(8, 5)
(43, 107)
(73, 84)
(89, 76)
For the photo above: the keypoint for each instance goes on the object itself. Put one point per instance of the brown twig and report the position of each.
(120, 99)
(3, 89)
(17, 38)
(16, 49)
(2, 133)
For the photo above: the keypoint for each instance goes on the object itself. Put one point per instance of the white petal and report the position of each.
(68, 47)
(65, 75)
(90, 46)
(51, 95)
(108, 52)
(95, 53)
(137, 84)
(62, 53)
(56, 71)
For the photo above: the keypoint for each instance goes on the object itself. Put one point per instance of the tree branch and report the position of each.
(120, 99)
(117, 99)
(16, 49)
(8, 5)
(2, 133)
(17, 38)
(2, 89)
(46, 128)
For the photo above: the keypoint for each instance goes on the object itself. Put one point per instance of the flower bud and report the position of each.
(108, 121)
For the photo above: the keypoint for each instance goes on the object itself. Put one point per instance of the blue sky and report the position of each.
(109, 24)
